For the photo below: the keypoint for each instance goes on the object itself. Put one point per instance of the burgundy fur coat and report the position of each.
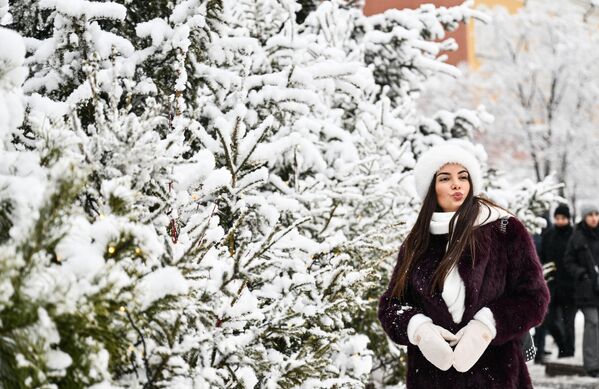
(506, 277)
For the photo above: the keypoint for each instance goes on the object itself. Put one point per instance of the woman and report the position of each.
(467, 284)
(582, 262)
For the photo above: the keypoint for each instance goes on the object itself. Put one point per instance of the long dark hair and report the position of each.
(461, 237)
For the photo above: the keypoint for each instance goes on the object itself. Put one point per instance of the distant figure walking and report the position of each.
(582, 262)
(562, 309)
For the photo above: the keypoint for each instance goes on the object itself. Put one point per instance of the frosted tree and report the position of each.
(281, 122)
(115, 151)
(272, 277)
(94, 278)
(74, 288)
(554, 97)
(276, 117)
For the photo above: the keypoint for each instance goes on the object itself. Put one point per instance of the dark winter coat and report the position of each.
(505, 277)
(582, 255)
(553, 248)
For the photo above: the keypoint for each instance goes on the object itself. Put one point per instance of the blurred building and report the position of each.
(463, 35)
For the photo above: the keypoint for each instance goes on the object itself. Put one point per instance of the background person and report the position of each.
(582, 261)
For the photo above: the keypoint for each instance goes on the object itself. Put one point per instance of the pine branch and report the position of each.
(145, 350)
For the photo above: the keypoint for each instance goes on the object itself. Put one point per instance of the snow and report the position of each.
(247, 305)
(42, 49)
(119, 188)
(21, 361)
(158, 29)
(216, 179)
(352, 358)
(43, 107)
(58, 360)
(12, 75)
(183, 10)
(21, 177)
(81, 256)
(247, 376)
(82, 93)
(180, 38)
(160, 283)
(105, 41)
(437, 66)
(87, 9)
(5, 16)
(99, 364)
(104, 385)
(190, 175)
(253, 178)
(12, 49)
(146, 87)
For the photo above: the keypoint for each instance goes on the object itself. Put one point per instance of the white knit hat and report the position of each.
(436, 157)
(588, 207)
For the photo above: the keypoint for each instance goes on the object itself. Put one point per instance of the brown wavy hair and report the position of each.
(461, 235)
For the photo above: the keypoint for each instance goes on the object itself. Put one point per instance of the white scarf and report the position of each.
(440, 220)
(454, 291)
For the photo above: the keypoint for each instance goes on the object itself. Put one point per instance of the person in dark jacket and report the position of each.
(559, 321)
(582, 262)
(467, 284)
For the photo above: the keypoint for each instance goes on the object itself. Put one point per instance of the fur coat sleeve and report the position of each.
(394, 314)
(524, 302)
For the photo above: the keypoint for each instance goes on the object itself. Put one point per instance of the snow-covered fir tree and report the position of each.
(93, 270)
(216, 189)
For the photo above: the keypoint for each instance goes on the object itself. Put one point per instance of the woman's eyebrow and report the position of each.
(460, 172)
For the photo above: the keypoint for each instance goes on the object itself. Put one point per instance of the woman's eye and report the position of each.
(464, 178)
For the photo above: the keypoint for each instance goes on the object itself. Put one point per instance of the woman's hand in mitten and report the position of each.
(432, 341)
(474, 339)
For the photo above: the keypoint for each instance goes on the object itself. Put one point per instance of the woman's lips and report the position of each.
(457, 196)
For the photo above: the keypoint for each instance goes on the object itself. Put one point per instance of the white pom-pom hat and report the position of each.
(438, 156)
(588, 207)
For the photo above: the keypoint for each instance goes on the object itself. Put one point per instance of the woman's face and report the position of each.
(452, 186)
(592, 219)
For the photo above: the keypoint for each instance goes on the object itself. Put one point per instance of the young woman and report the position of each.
(467, 284)
(582, 262)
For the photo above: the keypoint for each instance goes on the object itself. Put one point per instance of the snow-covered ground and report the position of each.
(541, 381)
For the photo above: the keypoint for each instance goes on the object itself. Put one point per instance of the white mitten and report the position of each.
(432, 342)
(474, 339)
